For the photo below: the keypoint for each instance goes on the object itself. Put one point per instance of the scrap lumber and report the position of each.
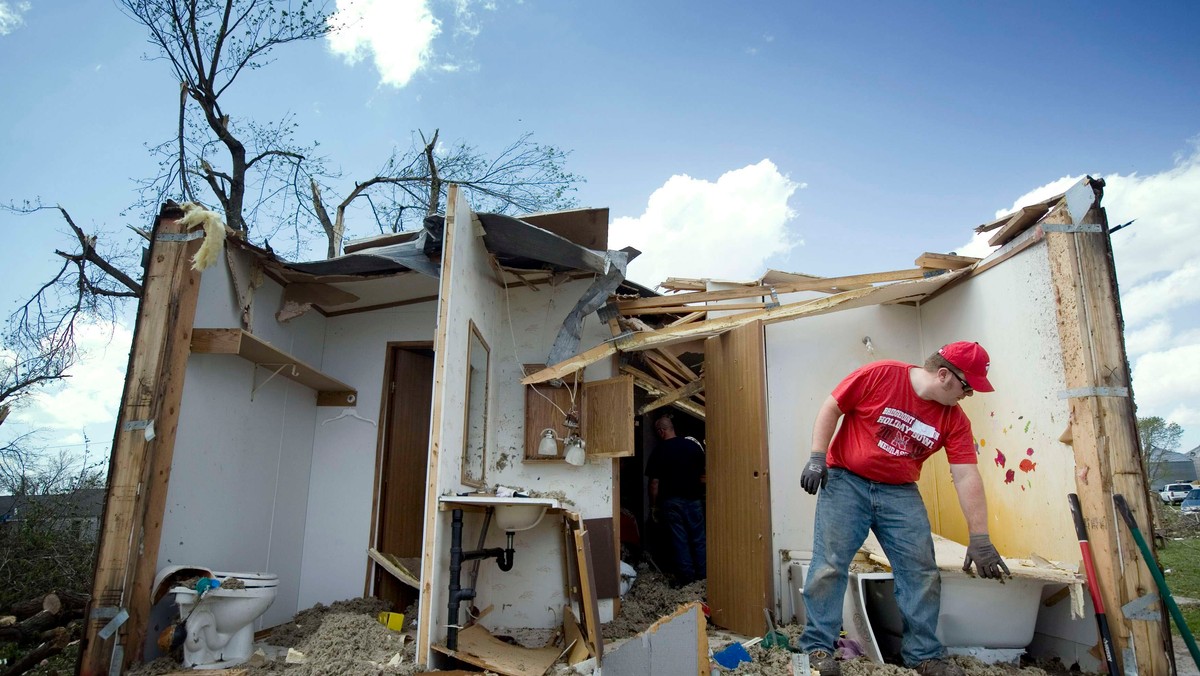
(674, 396)
(755, 291)
(683, 284)
(1017, 223)
(937, 261)
(655, 388)
(688, 309)
(689, 318)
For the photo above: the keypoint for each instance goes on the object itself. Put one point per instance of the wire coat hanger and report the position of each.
(349, 413)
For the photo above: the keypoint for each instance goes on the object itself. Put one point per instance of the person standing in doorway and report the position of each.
(676, 471)
(894, 417)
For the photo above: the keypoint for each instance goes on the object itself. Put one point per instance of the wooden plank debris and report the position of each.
(674, 396)
(757, 291)
(477, 646)
(655, 388)
(874, 295)
(1017, 223)
(401, 569)
(937, 261)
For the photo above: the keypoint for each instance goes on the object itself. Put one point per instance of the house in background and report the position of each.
(1168, 467)
(78, 511)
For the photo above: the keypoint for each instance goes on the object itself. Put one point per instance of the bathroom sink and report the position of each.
(511, 514)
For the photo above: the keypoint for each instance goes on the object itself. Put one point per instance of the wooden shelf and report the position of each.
(330, 391)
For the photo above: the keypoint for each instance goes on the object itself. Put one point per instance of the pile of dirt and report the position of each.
(648, 600)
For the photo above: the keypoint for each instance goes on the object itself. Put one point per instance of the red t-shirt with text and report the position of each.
(888, 431)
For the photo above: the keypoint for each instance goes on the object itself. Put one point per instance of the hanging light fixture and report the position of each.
(575, 454)
(549, 444)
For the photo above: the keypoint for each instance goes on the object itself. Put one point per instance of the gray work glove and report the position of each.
(815, 473)
(985, 557)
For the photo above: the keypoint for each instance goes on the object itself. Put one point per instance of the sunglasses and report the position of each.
(966, 388)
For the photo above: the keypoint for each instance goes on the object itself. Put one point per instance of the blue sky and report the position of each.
(726, 138)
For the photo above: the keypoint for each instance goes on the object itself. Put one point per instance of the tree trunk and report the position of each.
(35, 657)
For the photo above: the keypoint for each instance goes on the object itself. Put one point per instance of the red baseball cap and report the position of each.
(972, 360)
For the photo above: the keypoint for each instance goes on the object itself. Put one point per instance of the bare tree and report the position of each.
(209, 43)
(1158, 438)
(39, 337)
(523, 178)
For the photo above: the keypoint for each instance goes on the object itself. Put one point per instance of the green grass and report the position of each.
(1180, 560)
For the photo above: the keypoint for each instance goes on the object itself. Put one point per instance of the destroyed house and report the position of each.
(342, 423)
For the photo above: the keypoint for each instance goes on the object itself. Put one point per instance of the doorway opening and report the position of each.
(401, 472)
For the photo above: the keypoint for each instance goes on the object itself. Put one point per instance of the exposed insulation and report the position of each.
(214, 233)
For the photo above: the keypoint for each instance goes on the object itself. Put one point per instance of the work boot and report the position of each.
(824, 663)
(939, 667)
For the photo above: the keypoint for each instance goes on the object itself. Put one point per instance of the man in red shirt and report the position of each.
(894, 416)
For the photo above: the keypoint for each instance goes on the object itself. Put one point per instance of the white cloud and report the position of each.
(1147, 338)
(12, 15)
(92, 393)
(1161, 294)
(1158, 272)
(397, 34)
(722, 230)
(1165, 379)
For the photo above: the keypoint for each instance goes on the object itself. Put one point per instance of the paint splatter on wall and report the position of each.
(1009, 476)
(1000, 459)
(1028, 465)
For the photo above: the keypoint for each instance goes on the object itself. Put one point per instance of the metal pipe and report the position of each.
(458, 594)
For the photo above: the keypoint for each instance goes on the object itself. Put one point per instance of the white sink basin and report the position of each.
(511, 514)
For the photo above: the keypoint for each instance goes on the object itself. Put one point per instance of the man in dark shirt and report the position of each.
(676, 471)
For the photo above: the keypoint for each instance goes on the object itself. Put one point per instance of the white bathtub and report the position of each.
(871, 617)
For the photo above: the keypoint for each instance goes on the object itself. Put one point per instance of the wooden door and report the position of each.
(739, 495)
(402, 481)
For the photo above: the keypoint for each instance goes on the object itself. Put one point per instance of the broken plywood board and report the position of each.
(577, 648)
(581, 581)
(675, 645)
(477, 646)
(401, 569)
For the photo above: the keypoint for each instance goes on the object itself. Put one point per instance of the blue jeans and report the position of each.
(685, 523)
(847, 507)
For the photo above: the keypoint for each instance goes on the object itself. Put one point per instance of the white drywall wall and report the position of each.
(806, 359)
(338, 524)
(1010, 309)
(532, 593)
(239, 478)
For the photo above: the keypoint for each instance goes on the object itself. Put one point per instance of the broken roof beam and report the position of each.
(712, 327)
(944, 261)
(654, 388)
(873, 295)
(669, 398)
(687, 309)
(1017, 223)
(756, 291)
(689, 318)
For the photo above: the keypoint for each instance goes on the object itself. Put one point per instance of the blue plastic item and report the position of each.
(732, 655)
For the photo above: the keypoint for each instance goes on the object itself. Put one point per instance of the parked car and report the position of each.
(1191, 504)
(1173, 494)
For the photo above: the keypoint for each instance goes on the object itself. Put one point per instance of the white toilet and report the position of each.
(220, 627)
